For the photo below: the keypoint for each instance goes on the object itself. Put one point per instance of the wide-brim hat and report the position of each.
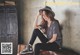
(47, 8)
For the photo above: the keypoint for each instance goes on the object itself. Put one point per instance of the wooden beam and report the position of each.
(1, 4)
(9, 3)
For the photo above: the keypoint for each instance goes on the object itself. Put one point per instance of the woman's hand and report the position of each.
(53, 39)
(38, 16)
(43, 30)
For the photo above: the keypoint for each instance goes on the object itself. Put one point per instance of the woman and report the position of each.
(50, 27)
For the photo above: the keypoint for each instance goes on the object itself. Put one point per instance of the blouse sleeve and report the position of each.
(55, 28)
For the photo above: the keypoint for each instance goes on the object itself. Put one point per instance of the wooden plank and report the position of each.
(10, 3)
(1, 4)
(10, 9)
(2, 21)
(2, 9)
(12, 24)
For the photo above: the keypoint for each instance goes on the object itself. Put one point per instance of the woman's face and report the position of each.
(44, 16)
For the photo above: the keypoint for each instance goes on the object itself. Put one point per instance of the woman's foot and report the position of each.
(28, 49)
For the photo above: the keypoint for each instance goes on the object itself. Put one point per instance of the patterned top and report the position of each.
(54, 29)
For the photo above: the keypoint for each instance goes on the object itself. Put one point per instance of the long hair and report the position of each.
(49, 14)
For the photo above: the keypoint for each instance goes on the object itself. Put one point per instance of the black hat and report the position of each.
(47, 8)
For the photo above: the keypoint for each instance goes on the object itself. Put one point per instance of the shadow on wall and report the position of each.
(67, 29)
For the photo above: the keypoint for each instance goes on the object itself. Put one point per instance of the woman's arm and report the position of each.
(53, 38)
(36, 22)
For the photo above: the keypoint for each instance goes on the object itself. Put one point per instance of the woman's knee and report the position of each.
(37, 45)
(36, 30)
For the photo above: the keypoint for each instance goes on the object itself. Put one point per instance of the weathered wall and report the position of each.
(28, 11)
(8, 27)
(68, 14)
